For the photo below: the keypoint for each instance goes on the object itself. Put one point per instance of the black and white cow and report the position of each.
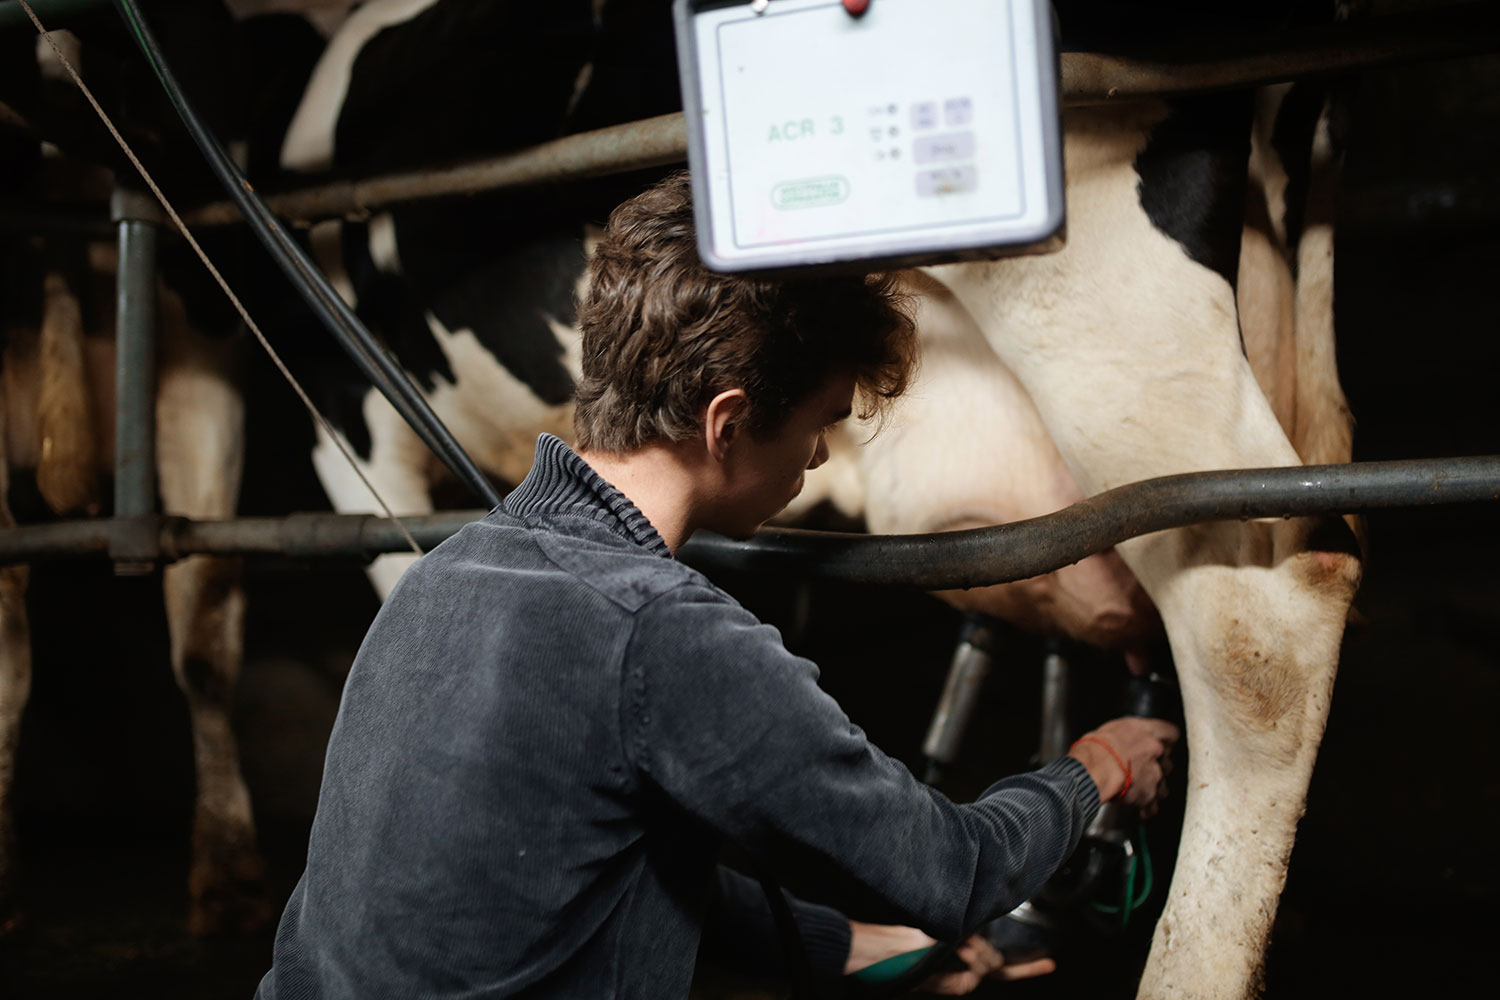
(1186, 326)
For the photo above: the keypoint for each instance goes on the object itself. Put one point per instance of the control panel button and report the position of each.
(948, 180)
(948, 146)
(958, 111)
(924, 115)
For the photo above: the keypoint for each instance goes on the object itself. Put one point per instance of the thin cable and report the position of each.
(378, 366)
(214, 271)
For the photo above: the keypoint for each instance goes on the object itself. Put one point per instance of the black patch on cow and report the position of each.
(1193, 178)
(21, 276)
(507, 301)
(1331, 533)
(209, 311)
(1341, 96)
(277, 54)
(501, 269)
(387, 305)
(25, 263)
(69, 257)
(487, 264)
(463, 79)
(633, 67)
(20, 82)
(20, 158)
(633, 75)
(1292, 139)
(342, 403)
(203, 682)
(1159, 25)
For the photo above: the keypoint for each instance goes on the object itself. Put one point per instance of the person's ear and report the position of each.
(724, 421)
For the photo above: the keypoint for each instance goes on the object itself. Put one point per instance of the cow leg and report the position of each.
(15, 687)
(65, 465)
(1256, 648)
(200, 454)
(1130, 347)
(1263, 690)
(398, 465)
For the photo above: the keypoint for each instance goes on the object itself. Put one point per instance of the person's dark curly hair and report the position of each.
(662, 334)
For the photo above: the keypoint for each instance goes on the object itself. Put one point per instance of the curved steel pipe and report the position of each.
(1003, 553)
(937, 561)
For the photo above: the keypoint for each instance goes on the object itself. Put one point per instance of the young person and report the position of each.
(553, 726)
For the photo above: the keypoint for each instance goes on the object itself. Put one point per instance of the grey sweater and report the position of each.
(547, 734)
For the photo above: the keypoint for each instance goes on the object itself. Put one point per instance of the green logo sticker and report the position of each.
(815, 192)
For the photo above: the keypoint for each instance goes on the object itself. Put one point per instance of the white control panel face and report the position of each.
(923, 126)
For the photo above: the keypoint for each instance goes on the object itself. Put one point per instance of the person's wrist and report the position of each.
(871, 943)
(1104, 766)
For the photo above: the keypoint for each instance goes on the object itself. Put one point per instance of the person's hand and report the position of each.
(1129, 759)
(871, 943)
(983, 962)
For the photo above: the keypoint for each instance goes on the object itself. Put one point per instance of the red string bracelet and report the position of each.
(1124, 765)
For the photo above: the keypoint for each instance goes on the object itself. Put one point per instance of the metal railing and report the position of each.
(934, 561)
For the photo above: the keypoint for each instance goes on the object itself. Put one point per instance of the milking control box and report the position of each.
(918, 132)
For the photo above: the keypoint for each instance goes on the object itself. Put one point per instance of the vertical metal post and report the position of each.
(136, 217)
(1055, 691)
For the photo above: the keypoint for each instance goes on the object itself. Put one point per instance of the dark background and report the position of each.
(1394, 882)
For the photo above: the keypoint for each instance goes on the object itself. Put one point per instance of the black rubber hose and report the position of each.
(373, 360)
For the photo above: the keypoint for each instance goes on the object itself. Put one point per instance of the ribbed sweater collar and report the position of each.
(562, 483)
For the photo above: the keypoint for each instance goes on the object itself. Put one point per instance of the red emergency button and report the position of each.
(856, 7)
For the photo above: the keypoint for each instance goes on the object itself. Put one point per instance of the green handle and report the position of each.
(890, 968)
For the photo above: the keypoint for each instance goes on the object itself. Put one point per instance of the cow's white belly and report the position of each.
(966, 447)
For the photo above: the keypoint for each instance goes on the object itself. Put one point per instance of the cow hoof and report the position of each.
(229, 896)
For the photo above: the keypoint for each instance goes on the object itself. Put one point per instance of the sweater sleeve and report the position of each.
(735, 730)
(740, 930)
